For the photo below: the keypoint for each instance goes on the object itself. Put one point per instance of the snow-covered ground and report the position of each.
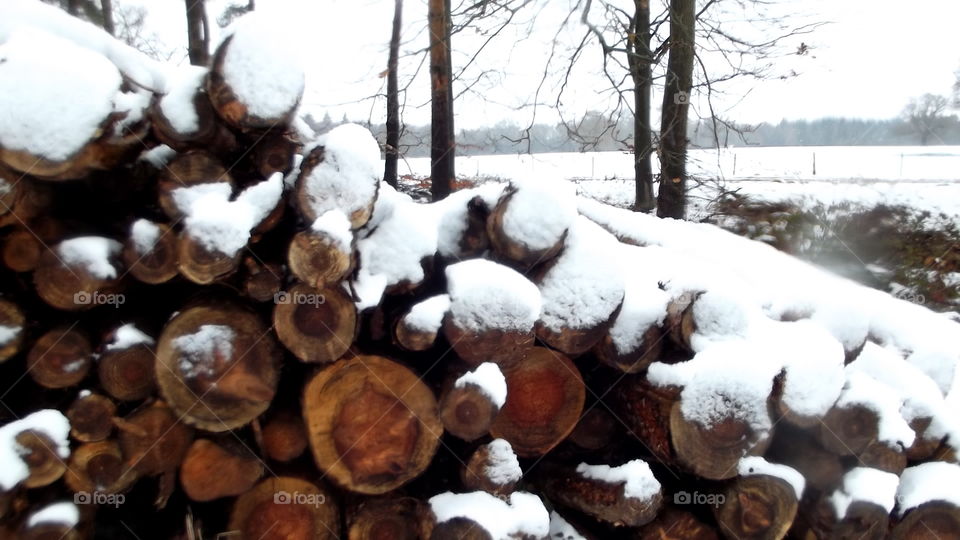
(920, 177)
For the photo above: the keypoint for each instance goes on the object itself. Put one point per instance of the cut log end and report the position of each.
(392, 518)
(372, 424)
(60, 358)
(467, 412)
(159, 263)
(13, 320)
(316, 325)
(91, 418)
(153, 440)
(714, 452)
(286, 508)
(758, 506)
(284, 437)
(318, 260)
(99, 467)
(545, 396)
(935, 520)
(210, 470)
(127, 374)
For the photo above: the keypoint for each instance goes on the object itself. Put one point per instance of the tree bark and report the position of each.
(671, 200)
(106, 7)
(391, 152)
(442, 141)
(639, 60)
(198, 40)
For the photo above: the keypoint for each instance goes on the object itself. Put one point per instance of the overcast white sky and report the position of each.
(867, 62)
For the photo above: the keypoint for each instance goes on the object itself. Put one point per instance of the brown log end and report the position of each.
(285, 508)
(676, 524)
(153, 440)
(713, 452)
(316, 325)
(467, 411)
(39, 453)
(91, 417)
(934, 520)
(60, 358)
(210, 470)
(284, 437)
(318, 260)
(372, 423)
(186, 170)
(391, 518)
(21, 250)
(12, 326)
(156, 263)
(545, 396)
(99, 467)
(128, 374)
(757, 506)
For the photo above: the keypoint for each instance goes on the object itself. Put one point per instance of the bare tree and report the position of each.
(671, 199)
(927, 115)
(198, 33)
(393, 100)
(442, 141)
(106, 8)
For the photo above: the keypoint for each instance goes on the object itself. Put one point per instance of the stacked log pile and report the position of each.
(215, 322)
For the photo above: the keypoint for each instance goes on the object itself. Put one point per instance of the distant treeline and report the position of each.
(595, 132)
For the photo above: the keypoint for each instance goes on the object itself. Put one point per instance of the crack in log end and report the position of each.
(375, 435)
(270, 520)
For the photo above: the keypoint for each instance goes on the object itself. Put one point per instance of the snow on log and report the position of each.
(928, 503)
(80, 273)
(56, 520)
(582, 290)
(341, 172)
(470, 405)
(493, 468)
(217, 366)
(150, 252)
(417, 329)
(481, 515)
(762, 502)
(33, 448)
(545, 395)
(188, 170)
(859, 507)
(45, 131)
(530, 221)
(627, 495)
(372, 423)
(216, 229)
(322, 255)
(125, 365)
(256, 81)
(492, 312)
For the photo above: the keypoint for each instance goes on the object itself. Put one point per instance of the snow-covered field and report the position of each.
(921, 177)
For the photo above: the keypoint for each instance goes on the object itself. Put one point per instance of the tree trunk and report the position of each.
(73, 7)
(672, 199)
(198, 40)
(638, 57)
(393, 101)
(442, 142)
(106, 6)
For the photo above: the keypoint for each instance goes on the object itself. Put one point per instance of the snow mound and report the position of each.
(54, 95)
(350, 173)
(485, 295)
(865, 485)
(637, 478)
(63, 513)
(933, 481)
(145, 234)
(177, 104)
(539, 212)
(262, 66)
(128, 336)
(489, 379)
(49, 422)
(335, 225)
(502, 464)
(221, 225)
(523, 514)
(427, 316)
(585, 284)
(92, 253)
